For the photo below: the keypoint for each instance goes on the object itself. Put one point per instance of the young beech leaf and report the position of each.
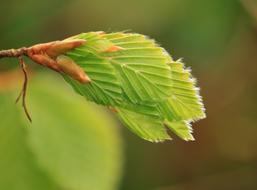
(138, 79)
(185, 103)
(182, 129)
(147, 127)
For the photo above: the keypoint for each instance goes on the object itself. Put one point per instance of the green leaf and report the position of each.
(142, 70)
(146, 127)
(182, 129)
(76, 143)
(139, 72)
(18, 167)
(185, 102)
(66, 147)
(105, 88)
(138, 78)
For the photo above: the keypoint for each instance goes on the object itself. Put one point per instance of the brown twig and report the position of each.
(19, 53)
(13, 52)
(49, 55)
(24, 89)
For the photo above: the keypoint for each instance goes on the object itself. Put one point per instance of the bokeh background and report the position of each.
(216, 38)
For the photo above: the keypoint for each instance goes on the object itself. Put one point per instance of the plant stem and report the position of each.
(24, 89)
(13, 52)
(19, 53)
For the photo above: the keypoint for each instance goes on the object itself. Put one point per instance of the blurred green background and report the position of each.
(217, 38)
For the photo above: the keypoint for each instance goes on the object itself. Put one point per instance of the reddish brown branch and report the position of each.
(50, 55)
(24, 89)
(13, 52)
(19, 53)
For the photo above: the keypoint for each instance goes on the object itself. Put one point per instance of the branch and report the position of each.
(24, 89)
(14, 52)
(49, 55)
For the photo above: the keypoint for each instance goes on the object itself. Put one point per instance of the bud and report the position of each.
(61, 47)
(51, 55)
(69, 67)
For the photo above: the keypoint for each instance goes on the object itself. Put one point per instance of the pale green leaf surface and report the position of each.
(145, 109)
(140, 79)
(185, 102)
(142, 70)
(182, 129)
(76, 143)
(18, 168)
(70, 144)
(105, 88)
(146, 127)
